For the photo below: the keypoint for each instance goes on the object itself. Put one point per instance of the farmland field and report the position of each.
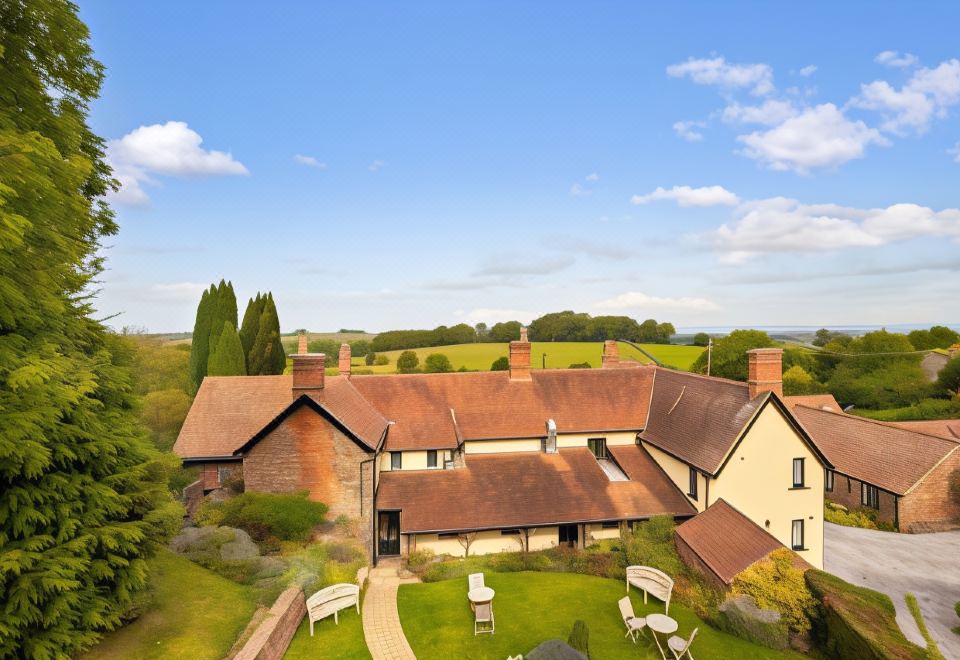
(553, 355)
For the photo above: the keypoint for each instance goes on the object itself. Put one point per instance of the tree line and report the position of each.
(557, 326)
(219, 348)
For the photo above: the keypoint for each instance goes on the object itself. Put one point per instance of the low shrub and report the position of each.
(776, 583)
(381, 360)
(956, 608)
(651, 544)
(419, 559)
(864, 518)
(267, 515)
(579, 638)
(856, 622)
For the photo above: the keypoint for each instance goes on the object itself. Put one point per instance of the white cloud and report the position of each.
(895, 59)
(638, 300)
(523, 263)
(171, 149)
(929, 93)
(808, 70)
(955, 152)
(686, 196)
(592, 177)
(782, 225)
(685, 129)
(579, 191)
(769, 113)
(717, 71)
(376, 166)
(819, 137)
(309, 161)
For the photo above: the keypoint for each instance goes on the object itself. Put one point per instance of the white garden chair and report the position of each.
(651, 580)
(331, 600)
(475, 581)
(483, 619)
(633, 623)
(681, 647)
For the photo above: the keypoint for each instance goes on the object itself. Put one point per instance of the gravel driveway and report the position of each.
(926, 564)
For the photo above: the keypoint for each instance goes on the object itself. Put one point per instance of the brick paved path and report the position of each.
(381, 620)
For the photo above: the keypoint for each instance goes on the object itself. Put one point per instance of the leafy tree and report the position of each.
(437, 363)
(949, 376)
(880, 373)
(822, 337)
(796, 380)
(251, 325)
(505, 331)
(701, 339)
(370, 358)
(938, 336)
(729, 359)
(648, 331)
(163, 412)
(200, 342)
(482, 330)
(407, 362)
(227, 356)
(502, 363)
(664, 332)
(560, 326)
(359, 348)
(83, 500)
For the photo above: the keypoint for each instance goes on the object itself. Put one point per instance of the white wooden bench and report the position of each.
(331, 600)
(651, 580)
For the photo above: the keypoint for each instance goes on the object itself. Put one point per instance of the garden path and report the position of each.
(381, 619)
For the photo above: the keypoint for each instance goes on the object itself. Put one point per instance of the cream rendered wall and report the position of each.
(487, 542)
(499, 446)
(679, 473)
(580, 439)
(596, 532)
(758, 478)
(414, 460)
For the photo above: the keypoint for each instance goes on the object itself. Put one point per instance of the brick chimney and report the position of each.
(611, 354)
(520, 357)
(302, 344)
(344, 361)
(765, 371)
(308, 373)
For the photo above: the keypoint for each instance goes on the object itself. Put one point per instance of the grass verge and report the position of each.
(932, 649)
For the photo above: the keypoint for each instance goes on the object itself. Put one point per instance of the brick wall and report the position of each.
(692, 559)
(272, 637)
(306, 452)
(929, 506)
(846, 491)
(210, 473)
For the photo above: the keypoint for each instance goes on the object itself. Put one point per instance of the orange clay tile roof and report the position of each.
(822, 401)
(489, 405)
(230, 410)
(884, 455)
(726, 540)
(522, 489)
(697, 418)
(945, 428)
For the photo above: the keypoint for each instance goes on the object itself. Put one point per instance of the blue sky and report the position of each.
(386, 165)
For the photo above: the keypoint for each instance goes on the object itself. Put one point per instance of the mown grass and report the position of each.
(932, 649)
(195, 614)
(553, 355)
(330, 640)
(531, 608)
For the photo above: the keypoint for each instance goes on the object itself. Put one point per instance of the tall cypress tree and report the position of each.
(277, 361)
(81, 501)
(250, 327)
(227, 356)
(267, 356)
(225, 311)
(200, 340)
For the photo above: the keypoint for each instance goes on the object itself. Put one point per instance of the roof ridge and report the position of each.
(877, 422)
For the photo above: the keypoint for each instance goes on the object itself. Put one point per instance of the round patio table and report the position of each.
(661, 623)
(482, 595)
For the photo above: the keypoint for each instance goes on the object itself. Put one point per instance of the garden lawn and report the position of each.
(531, 608)
(329, 639)
(195, 614)
(559, 355)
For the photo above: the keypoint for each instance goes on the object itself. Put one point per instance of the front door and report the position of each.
(389, 533)
(569, 535)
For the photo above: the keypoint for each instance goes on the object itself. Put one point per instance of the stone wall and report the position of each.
(272, 637)
(929, 507)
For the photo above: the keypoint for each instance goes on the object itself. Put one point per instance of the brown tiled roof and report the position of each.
(884, 455)
(822, 401)
(726, 540)
(230, 410)
(522, 489)
(490, 405)
(945, 428)
(696, 418)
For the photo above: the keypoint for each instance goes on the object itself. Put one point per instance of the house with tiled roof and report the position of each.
(491, 461)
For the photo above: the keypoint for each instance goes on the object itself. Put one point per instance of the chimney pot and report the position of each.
(611, 354)
(765, 371)
(520, 357)
(308, 373)
(344, 361)
(302, 344)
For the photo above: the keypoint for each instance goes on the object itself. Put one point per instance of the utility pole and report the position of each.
(709, 353)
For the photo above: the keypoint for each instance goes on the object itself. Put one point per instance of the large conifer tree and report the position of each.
(227, 356)
(200, 340)
(267, 356)
(79, 496)
(250, 327)
(225, 311)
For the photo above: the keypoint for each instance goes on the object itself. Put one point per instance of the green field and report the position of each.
(553, 355)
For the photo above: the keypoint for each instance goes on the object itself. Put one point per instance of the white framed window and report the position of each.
(692, 487)
(396, 460)
(869, 496)
(828, 481)
(798, 476)
(796, 535)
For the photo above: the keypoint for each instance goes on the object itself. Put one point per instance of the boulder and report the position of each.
(241, 547)
(740, 616)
